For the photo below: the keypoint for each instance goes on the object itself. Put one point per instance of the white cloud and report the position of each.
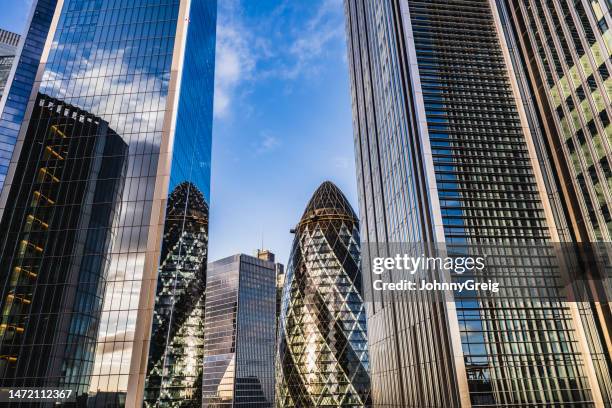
(235, 59)
(234, 64)
(342, 162)
(315, 39)
(271, 48)
(267, 143)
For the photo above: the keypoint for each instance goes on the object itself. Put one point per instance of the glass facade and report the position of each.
(240, 307)
(145, 68)
(58, 229)
(8, 50)
(174, 373)
(445, 155)
(567, 47)
(19, 87)
(322, 355)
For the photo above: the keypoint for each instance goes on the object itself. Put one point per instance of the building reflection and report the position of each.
(18, 88)
(57, 231)
(174, 373)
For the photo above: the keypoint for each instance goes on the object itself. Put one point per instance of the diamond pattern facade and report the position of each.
(322, 357)
(175, 356)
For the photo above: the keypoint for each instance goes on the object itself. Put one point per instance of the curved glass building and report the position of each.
(174, 375)
(322, 356)
(144, 69)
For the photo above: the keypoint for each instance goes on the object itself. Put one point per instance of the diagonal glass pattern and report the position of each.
(322, 353)
(174, 373)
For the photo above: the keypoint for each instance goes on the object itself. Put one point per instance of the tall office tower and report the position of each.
(20, 79)
(322, 356)
(566, 47)
(239, 332)
(8, 50)
(146, 68)
(174, 375)
(54, 252)
(445, 155)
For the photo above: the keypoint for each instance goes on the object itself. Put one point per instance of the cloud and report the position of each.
(111, 97)
(234, 64)
(342, 162)
(315, 39)
(285, 44)
(267, 143)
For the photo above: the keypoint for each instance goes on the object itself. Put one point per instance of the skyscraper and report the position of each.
(54, 251)
(20, 79)
(8, 50)
(240, 333)
(322, 353)
(566, 47)
(174, 376)
(446, 157)
(147, 69)
(564, 52)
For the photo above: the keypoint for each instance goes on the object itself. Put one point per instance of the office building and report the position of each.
(567, 48)
(322, 353)
(446, 155)
(563, 55)
(54, 251)
(174, 374)
(147, 69)
(20, 78)
(8, 50)
(240, 332)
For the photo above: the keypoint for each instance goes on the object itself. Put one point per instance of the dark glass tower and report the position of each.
(19, 85)
(174, 375)
(147, 69)
(446, 155)
(240, 333)
(322, 356)
(54, 250)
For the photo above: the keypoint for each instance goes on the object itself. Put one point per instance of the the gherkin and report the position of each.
(174, 377)
(322, 356)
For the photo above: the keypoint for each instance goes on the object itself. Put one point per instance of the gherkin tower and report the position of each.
(322, 358)
(174, 373)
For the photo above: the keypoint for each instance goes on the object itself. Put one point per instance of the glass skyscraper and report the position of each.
(57, 232)
(20, 79)
(239, 333)
(146, 69)
(567, 46)
(446, 157)
(564, 49)
(322, 357)
(174, 374)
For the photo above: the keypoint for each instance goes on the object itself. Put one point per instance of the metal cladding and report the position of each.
(175, 356)
(322, 358)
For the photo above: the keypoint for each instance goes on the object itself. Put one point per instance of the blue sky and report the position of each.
(14, 15)
(282, 117)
